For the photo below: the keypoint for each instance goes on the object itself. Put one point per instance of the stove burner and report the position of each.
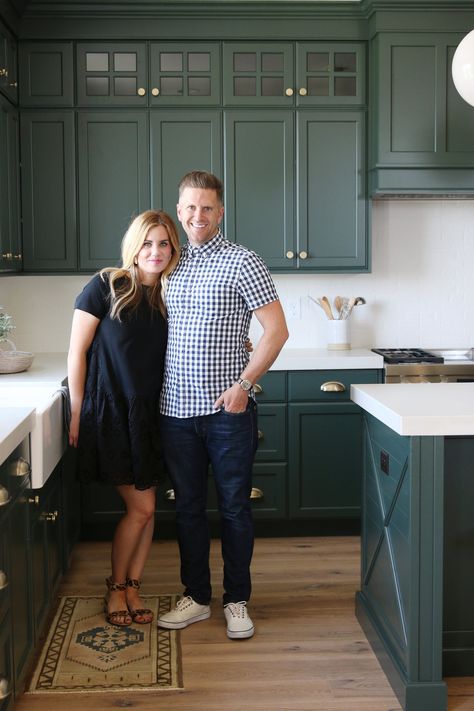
(407, 355)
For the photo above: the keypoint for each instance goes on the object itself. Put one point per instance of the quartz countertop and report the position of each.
(421, 409)
(15, 425)
(324, 359)
(46, 369)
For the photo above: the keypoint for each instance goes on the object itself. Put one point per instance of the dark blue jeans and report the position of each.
(228, 442)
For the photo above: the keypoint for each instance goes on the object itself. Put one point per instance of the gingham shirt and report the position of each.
(210, 299)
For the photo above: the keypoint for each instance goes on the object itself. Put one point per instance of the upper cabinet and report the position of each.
(422, 130)
(46, 74)
(110, 73)
(8, 64)
(289, 74)
(10, 239)
(184, 73)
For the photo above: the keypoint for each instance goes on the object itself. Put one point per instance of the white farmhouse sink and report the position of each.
(48, 441)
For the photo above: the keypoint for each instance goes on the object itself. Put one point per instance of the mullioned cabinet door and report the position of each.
(112, 74)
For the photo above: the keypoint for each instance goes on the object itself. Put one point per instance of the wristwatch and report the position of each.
(245, 384)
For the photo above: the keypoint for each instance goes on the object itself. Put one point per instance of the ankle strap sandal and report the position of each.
(119, 618)
(144, 613)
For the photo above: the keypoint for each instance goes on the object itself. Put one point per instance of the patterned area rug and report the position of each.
(84, 653)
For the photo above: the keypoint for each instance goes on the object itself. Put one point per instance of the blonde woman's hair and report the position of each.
(126, 291)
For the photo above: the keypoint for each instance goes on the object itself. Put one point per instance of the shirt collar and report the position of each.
(206, 249)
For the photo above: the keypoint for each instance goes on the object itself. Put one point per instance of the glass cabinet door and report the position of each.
(258, 74)
(184, 74)
(330, 74)
(111, 74)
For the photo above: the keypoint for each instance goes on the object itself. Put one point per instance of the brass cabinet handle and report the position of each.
(141, 91)
(3, 72)
(257, 388)
(17, 256)
(14, 84)
(5, 689)
(169, 495)
(303, 255)
(260, 434)
(19, 467)
(256, 493)
(333, 386)
(3, 580)
(7, 255)
(5, 497)
(49, 516)
(155, 91)
(289, 91)
(302, 91)
(34, 500)
(289, 254)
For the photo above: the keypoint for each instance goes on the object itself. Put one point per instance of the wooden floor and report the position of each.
(308, 651)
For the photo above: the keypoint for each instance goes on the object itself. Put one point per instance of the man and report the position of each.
(209, 415)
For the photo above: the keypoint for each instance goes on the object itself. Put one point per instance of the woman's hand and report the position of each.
(248, 345)
(74, 430)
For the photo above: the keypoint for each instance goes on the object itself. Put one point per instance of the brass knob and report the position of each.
(256, 493)
(14, 84)
(302, 91)
(257, 388)
(303, 255)
(5, 497)
(155, 91)
(290, 254)
(34, 500)
(3, 580)
(50, 516)
(141, 91)
(289, 91)
(3, 72)
(169, 495)
(17, 256)
(19, 467)
(333, 386)
(7, 255)
(260, 434)
(5, 689)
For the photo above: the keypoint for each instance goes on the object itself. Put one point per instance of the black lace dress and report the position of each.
(119, 438)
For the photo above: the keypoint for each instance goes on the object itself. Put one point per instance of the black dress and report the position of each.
(119, 439)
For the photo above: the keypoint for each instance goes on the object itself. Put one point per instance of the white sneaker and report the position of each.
(185, 613)
(239, 624)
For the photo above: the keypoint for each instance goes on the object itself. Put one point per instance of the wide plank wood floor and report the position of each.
(308, 652)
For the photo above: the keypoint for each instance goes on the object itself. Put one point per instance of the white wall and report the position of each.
(419, 294)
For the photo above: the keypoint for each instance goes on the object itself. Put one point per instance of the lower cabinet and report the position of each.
(308, 463)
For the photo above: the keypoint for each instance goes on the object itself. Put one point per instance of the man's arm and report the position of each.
(275, 334)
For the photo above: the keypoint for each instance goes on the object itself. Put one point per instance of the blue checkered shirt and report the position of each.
(210, 299)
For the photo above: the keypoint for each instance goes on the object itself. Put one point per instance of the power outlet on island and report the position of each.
(384, 462)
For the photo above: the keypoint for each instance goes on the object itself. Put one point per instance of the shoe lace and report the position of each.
(237, 609)
(184, 602)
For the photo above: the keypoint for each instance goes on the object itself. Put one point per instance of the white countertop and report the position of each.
(421, 409)
(46, 369)
(15, 424)
(324, 359)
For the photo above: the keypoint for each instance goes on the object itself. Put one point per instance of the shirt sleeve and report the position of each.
(255, 284)
(94, 298)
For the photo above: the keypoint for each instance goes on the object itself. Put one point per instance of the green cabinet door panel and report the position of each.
(271, 432)
(330, 74)
(258, 74)
(112, 74)
(259, 176)
(8, 64)
(10, 234)
(46, 74)
(184, 73)
(181, 141)
(48, 191)
(325, 460)
(331, 189)
(114, 183)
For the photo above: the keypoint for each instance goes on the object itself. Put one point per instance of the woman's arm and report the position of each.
(84, 326)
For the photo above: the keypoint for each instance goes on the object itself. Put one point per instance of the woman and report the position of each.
(115, 369)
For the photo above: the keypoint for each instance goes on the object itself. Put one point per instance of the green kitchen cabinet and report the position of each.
(112, 74)
(48, 190)
(289, 215)
(70, 519)
(181, 140)
(325, 443)
(286, 74)
(184, 74)
(10, 232)
(113, 181)
(8, 64)
(46, 74)
(422, 130)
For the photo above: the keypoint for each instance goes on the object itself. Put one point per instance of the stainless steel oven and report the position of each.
(414, 365)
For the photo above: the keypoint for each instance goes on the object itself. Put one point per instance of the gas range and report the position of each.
(415, 365)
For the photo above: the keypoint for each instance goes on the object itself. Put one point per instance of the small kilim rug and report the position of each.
(84, 653)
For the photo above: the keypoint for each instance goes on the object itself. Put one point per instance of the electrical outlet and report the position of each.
(293, 308)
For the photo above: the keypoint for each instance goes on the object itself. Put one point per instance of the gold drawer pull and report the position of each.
(5, 497)
(260, 434)
(333, 386)
(257, 389)
(256, 493)
(50, 516)
(3, 580)
(4, 688)
(169, 495)
(20, 467)
(34, 500)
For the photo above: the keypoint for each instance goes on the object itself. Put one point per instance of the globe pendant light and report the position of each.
(463, 68)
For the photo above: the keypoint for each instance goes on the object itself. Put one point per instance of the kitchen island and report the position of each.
(415, 598)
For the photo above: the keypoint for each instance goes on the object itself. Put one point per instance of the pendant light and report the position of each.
(463, 68)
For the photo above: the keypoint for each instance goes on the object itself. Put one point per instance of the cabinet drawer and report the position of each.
(306, 384)
(15, 470)
(271, 433)
(273, 386)
(269, 497)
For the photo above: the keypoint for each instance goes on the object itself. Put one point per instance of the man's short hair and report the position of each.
(203, 180)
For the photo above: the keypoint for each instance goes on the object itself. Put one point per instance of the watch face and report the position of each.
(245, 384)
